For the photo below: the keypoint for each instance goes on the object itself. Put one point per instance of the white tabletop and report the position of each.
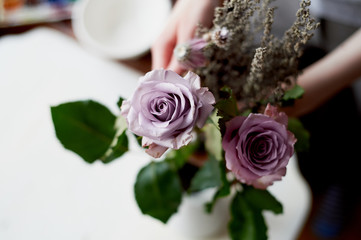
(47, 192)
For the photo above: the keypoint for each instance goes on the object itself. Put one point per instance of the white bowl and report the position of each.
(119, 29)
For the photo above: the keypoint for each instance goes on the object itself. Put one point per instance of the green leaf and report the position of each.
(208, 176)
(291, 95)
(246, 222)
(117, 150)
(121, 124)
(223, 191)
(84, 127)
(302, 135)
(246, 112)
(262, 200)
(120, 102)
(158, 190)
(227, 108)
(294, 93)
(139, 139)
(226, 90)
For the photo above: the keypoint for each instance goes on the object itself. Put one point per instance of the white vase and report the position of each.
(193, 222)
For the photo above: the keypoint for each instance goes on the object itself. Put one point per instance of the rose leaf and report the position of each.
(226, 108)
(117, 150)
(223, 191)
(120, 102)
(138, 139)
(302, 135)
(158, 190)
(246, 222)
(208, 176)
(84, 127)
(291, 95)
(262, 200)
(294, 93)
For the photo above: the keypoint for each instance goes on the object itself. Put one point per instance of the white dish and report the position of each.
(119, 29)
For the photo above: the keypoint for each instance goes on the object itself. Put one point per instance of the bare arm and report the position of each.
(325, 78)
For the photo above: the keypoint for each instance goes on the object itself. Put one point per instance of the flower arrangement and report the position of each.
(225, 109)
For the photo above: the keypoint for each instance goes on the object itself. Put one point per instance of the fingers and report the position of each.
(184, 34)
(180, 28)
(175, 66)
(162, 51)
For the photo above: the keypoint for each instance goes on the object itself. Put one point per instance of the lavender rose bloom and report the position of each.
(164, 109)
(258, 147)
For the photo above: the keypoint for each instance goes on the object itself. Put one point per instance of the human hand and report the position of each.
(180, 28)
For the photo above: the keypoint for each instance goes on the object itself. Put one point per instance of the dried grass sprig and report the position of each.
(250, 59)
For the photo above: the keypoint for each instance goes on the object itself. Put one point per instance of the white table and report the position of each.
(47, 192)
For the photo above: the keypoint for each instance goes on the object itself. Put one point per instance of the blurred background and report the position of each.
(112, 35)
(24, 12)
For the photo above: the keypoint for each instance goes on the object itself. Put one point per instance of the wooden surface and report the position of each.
(143, 64)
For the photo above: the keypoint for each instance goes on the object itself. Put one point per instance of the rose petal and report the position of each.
(272, 112)
(266, 181)
(155, 150)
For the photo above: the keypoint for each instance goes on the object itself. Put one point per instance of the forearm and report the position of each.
(328, 76)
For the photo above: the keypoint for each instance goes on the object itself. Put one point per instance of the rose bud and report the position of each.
(190, 54)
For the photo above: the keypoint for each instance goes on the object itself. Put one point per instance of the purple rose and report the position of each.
(164, 109)
(258, 147)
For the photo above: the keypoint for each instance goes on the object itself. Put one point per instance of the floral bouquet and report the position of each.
(219, 126)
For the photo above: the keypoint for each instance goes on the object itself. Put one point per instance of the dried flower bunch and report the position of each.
(243, 54)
